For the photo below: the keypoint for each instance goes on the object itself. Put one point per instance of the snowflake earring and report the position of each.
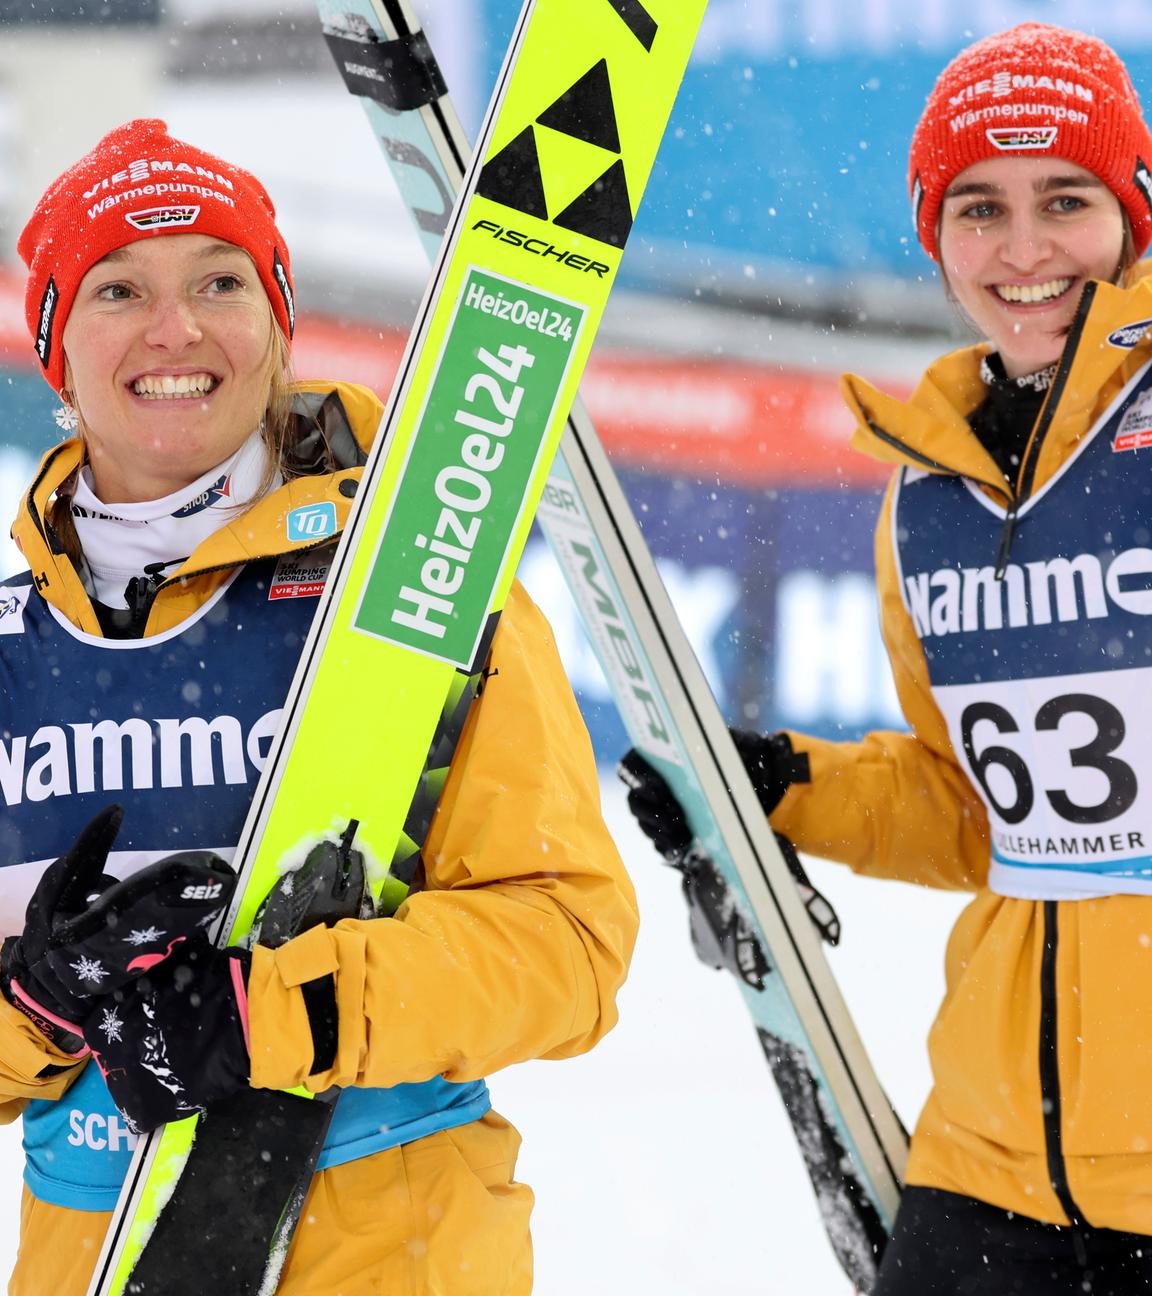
(67, 417)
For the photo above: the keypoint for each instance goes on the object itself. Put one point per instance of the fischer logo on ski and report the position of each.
(585, 112)
(542, 248)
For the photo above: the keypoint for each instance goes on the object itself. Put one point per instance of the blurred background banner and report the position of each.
(787, 155)
(774, 250)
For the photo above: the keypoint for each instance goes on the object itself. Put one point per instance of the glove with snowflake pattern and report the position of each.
(87, 934)
(176, 1040)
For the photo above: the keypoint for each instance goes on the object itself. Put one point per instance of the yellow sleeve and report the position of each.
(24, 1054)
(893, 805)
(520, 940)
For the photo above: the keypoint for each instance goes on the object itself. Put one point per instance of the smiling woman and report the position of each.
(1014, 553)
(168, 353)
(1019, 238)
(144, 660)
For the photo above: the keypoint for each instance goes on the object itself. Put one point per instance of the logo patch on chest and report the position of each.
(1129, 335)
(301, 575)
(312, 522)
(1135, 430)
(12, 601)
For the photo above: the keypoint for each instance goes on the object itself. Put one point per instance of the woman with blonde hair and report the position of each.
(144, 660)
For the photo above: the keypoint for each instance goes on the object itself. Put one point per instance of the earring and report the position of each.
(66, 416)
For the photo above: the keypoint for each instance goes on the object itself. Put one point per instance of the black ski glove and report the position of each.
(176, 1039)
(654, 806)
(772, 766)
(720, 934)
(87, 934)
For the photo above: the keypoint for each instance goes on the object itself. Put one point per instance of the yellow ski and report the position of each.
(431, 547)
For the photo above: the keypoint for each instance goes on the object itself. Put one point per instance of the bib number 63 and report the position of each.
(1096, 754)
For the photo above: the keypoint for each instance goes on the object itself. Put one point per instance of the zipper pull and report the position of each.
(155, 570)
(1006, 536)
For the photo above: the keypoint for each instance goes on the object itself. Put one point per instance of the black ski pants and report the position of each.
(947, 1245)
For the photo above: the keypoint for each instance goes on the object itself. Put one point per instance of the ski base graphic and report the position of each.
(852, 1142)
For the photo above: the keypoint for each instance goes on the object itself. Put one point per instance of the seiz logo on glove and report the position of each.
(86, 934)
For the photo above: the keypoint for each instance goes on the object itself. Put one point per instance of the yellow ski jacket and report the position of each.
(1042, 1049)
(514, 948)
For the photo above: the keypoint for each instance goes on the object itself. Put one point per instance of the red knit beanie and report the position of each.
(137, 183)
(1029, 91)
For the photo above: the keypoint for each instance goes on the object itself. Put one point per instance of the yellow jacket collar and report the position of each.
(930, 430)
(261, 532)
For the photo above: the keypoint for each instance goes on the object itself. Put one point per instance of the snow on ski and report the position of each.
(852, 1142)
(495, 355)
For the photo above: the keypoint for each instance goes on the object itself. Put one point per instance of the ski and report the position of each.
(851, 1140)
(494, 357)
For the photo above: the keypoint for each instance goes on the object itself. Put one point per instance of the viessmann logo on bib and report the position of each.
(110, 756)
(969, 600)
(1135, 430)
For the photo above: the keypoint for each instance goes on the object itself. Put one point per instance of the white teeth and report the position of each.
(166, 386)
(1033, 292)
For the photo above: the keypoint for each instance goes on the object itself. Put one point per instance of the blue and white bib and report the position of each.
(176, 729)
(1045, 677)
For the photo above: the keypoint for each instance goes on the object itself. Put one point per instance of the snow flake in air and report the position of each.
(91, 970)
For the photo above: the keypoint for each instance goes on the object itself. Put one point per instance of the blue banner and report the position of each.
(789, 141)
(776, 593)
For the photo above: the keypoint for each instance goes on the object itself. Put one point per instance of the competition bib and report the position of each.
(1045, 677)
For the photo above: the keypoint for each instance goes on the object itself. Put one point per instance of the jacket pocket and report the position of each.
(1104, 993)
(470, 1216)
(985, 1042)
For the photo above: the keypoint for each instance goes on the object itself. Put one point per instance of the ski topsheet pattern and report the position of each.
(447, 498)
(851, 1140)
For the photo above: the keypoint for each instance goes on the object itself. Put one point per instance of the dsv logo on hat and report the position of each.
(1008, 139)
(154, 217)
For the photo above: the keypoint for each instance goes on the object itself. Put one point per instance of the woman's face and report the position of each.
(167, 349)
(1018, 239)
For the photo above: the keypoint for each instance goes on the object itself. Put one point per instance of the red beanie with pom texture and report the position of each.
(1034, 90)
(138, 183)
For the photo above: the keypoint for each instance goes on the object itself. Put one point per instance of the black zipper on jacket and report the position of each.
(1050, 1083)
(1032, 456)
(904, 449)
